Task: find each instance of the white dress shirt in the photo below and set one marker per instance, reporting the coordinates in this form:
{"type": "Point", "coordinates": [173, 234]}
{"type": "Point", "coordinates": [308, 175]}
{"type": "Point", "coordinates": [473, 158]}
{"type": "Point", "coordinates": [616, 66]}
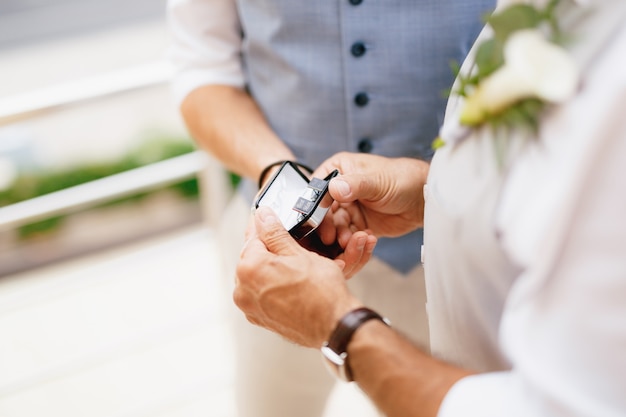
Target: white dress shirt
{"type": "Point", "coordinates": [544, 290]}
{"type": "Point", "coordinates": [205, 44]}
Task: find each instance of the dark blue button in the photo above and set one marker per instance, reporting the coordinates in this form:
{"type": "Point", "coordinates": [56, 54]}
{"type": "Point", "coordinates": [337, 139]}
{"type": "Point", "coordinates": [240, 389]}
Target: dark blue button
{"type": "Point", "coordinates": [358, 49]}
{"type": "Point", "coordinates": [355, 2]}
{"type": "Point", "coordinates": [361, 99]}
{"type": "Point", "coordinates": [365, 146]}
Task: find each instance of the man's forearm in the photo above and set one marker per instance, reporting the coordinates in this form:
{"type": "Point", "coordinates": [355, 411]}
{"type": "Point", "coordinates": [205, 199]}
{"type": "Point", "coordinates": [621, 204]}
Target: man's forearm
{"type": "Point", "coordinates": [402, 380]}
{"type": "Point", "coordinates": [226, 122]}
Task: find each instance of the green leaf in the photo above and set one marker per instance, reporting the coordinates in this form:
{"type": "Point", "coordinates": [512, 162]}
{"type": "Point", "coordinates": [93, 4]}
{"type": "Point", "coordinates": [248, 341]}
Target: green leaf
{"type": "Point", "coordinates": [455, 67]}
{"type": "Point", "coordinates": [511, 19]}
{"type": "Point", "coordinates": [515, 116]}
{"type": "Point", "coordinates": [523, 114]}
{"type": "Point", "coordinates": [489, 57]}
{"type": "Point", "coordinates": [532, 106]}
{"type": "Point", "coordinates": [548, 12]}
{"type": "Point", "coordinates": [532, 109]}
{"type": "Point", "coordinates": [438, 143]}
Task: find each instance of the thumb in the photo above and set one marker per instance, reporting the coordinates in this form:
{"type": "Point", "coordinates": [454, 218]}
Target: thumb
{"type": "Point", "coordinates": [273, 234]}
{"type": "Point", "coordinates": [351, 187]}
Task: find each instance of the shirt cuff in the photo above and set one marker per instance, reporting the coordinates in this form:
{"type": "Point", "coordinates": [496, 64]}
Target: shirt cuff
{"type": "Point", "coordinates": [187, 80]}
{"type": "Point", "coordinates": [484, 395]}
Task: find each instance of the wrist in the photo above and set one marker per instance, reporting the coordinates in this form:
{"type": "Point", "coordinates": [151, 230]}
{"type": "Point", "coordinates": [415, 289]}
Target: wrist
{"type": "Point", "coordinates": [270, 169]}
{"type": "Point", "coordinates": [266, 174]}
{"type": "Point", "coordinates": [335, 349]}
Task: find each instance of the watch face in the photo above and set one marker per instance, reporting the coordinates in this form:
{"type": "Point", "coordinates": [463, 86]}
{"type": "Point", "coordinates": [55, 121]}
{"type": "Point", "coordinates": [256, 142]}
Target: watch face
{"type": "Point", "coordinates": [300, 203]}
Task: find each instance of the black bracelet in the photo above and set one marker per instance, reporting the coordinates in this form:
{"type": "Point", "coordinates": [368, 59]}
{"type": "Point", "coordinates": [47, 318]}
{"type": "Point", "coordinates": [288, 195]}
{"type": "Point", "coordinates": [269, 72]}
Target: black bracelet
{"type": "Point", "coordinates": [272, 165]}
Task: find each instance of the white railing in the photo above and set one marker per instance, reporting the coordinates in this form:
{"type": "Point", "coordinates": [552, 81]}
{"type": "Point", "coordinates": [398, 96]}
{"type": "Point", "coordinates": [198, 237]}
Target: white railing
{"type": "Point", "coordinates": [214, 189]}
{"type": "Point", "coordinates": [85, 195]}
{"type": "Point", "coordinates": [52, 98]}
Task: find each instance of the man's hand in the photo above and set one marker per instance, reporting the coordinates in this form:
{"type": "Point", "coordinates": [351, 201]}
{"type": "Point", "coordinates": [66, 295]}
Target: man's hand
{"type": "Point", "coordinates": [351, 258]}
{"type": "Point", "coordinates": [285, 288]}
{"type": "Point", "coordinates": [351, 254]}
{"type": "Point", "coordinates": [384, 195]}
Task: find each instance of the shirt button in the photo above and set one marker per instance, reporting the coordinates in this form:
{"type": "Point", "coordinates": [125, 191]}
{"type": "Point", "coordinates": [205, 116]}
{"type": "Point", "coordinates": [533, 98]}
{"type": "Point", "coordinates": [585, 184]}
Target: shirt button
{"type": "Point", "coordinates": [361, 99]}
{"type": "Point", "coordinates": [365, 145]}
{"type": "Point", "coordinates": [355, 2]}
{"type": "Point", "coordinates": [358, 49]}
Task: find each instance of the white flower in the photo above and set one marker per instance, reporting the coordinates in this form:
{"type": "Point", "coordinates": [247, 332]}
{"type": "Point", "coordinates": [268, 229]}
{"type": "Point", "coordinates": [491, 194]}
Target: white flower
{"type": "Point", "coordinates": [533, 68]}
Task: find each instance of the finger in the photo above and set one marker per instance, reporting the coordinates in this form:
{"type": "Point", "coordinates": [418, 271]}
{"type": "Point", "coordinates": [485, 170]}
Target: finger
{"type": "Point", "coordinates": [252, 245]}
{"type": "Point", "coordinates": [327, 232]}
{"type": "Point", "coordinates": [273, 233]}
{"type": "Point", "coordinates": [358, 252]}
{"type": "Point", "coordinates": [353, 212]}
{"type": "Point", "coordinates": [352, 187]}
{"type": "Point", "coordinates": [348, 220]}
{"type": "Point", "coordinates": [343, 229]}
{"type": "Point", "coordinates": [366, 255]}
{"type": "Point", "coordinates": [354, 252]}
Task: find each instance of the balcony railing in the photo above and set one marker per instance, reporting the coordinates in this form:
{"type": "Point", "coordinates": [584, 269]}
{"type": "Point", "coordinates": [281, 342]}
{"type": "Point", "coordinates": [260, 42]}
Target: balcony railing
{"type": "Point", "coordinates": [125, 334]}
{"type": "Point", "coordinates": [213, 180]}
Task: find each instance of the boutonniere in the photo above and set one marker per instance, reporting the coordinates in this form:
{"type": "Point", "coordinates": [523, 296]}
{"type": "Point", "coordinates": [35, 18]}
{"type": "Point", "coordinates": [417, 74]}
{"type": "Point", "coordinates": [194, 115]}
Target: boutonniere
{"type": "Point", "coordinates": [517, 72]}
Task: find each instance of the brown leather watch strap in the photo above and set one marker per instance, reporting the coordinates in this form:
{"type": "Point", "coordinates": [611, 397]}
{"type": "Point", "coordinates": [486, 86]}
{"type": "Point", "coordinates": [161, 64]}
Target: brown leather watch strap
{"type": "Point", "coordinates": [341, 336]}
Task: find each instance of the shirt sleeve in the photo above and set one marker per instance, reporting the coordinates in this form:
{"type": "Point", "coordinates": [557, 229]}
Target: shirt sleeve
{"type": "Point", "coordinates": [205, 44]}
{"type": "Point", "coordinates": [562, 218]}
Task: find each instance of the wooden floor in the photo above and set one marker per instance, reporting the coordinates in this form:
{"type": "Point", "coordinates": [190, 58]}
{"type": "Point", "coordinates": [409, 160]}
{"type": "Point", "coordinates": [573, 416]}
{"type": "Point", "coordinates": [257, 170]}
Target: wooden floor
{"type": "Point", "coordinates": [133, 332]}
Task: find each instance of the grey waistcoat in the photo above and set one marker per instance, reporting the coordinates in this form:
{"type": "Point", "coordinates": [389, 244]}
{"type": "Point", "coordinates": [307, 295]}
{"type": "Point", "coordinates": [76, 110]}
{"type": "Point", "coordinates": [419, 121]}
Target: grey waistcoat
{"type": "Point", "coordinates": [357, 75]}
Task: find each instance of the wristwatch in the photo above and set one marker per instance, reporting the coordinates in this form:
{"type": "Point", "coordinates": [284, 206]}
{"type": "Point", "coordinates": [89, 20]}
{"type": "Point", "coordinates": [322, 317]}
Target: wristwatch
{"type": "Point", "coordinates": [334, 351]}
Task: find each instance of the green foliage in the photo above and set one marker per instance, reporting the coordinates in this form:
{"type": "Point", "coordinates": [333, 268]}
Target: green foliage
{"type": "Point", "coordinates": [34, 184]}
{"type": "Point", "coordinates": [514, 18]}
{"type": "Point", "coordinates": [234, 179]}
{"type": "Point", "coordinates": [490, 53]}
{"type": "Point", "coordinates": [438, 143]}
{"type": "Point", "coordinates": [40, 227]}
{"type": "Point", "coordinates": [490, 57]}
{"type": "Point", "coordinates": [525, 113]}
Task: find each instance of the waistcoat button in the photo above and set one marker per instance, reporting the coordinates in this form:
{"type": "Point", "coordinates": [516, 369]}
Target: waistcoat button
{"type": "Point", "coordinates": [361, 99]}
{"type": "Point", "coordinates": [358, 49]}
{"type": "Point", "coordinates": [355, 2]}
{"type": "Point", "coordinates": [365, 145]}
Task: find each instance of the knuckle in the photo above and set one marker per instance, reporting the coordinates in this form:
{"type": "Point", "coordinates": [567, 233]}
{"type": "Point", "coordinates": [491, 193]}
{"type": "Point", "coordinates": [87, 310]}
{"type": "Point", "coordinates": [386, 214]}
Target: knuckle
{"type": "Point", "coordinates": [243, 300]}
{"type": "Point", "coordinates": [238, 297]}
{"type": "Point", "coordinates": [253, 320]}
{"type": "Point", "coordinates": [244, 269]}
{"type": "Point", "coordinates": [273, 234]}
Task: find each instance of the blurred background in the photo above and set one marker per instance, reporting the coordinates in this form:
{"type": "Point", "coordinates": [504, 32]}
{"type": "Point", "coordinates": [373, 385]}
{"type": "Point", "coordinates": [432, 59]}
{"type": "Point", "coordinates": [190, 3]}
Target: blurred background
{"type": "Point", "coordinates": [109, 293]}
{"type": "Point", "coordinates": [83, 95]}
{"type": "Point", "coordinates": [111, 302]}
